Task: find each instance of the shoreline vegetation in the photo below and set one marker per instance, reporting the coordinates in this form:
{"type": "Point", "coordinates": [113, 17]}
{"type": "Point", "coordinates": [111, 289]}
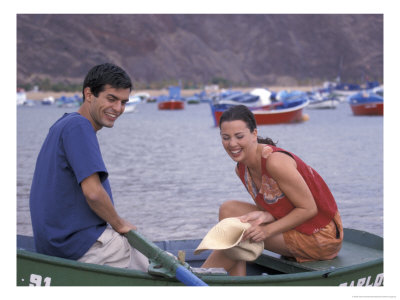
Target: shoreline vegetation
{"type": "Point", "coordinates": [39, 95]}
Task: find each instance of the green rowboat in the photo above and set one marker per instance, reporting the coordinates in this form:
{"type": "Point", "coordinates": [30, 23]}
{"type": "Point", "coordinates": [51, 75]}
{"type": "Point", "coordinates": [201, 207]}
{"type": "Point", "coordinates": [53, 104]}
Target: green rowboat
{"type": "Point", "coordinates": [359, 263]}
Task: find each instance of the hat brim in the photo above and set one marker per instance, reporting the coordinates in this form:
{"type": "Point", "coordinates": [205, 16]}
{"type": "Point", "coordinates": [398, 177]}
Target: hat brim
{"type": "Point", "coordinates": [227, 235]}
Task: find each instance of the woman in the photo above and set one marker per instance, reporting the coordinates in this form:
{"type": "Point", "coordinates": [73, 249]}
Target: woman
{"type": "Point", "coordinates": [294, 214]}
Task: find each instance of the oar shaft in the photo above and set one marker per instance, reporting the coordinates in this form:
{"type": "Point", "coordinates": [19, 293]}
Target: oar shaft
{"type": "Point", "coordinates": [171, 265]}
{"type": "Point", "coordinates": [188, 278]}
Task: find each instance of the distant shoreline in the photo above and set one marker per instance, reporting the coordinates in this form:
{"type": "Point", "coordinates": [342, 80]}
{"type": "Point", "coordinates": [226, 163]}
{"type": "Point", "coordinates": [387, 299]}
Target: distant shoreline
{"type": "Point", "coordinates": [39, 95]}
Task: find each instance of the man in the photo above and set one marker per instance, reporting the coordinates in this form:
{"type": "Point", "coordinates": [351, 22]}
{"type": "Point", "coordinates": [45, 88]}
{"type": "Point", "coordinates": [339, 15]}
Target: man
{"type": "Point", "coordinates": [71, 203]}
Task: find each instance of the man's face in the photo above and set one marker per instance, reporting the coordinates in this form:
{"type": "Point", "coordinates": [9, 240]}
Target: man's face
{"type": "Point", "coordinates": [107, 107]}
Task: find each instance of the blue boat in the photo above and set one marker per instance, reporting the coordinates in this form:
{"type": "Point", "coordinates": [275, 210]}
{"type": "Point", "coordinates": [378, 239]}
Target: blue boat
{"type": "Point", "coordinates": [367, 102]}
{"type": "Point", "coordinates": [344, 90]}
{"type": "Point", "coordinates": [69, 101]}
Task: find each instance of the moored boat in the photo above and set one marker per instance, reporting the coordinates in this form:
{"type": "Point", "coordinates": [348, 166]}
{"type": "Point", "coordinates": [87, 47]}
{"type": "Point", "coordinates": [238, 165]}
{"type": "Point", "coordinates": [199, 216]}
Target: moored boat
{"type": "Point", "coordinates": [359, 263]}
{"type": "Point", "coordinates": [132, 103]}
{"type": "Point", "coordinates": [344, 90]}
{"type": "Point", "coordinates": [285, 107]}
{"type": "Point", "coordinates": [48, 100]}
{"type": "Point", "coordinates": [69, 101]}
{"type": "Point", "coordinates": [171, 104]}
{"type": "Point", "coordinates": [320, 100]}
{"type": "Point", "coordinates": [172, 101]}
{"type": "Point", "coordinates": [21, 97]}
{"type": "Point", "coordinates": [367, 103]}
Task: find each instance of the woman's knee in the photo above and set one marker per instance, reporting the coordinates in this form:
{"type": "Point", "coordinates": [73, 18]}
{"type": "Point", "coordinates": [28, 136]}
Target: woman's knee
{"type": "Point", "coordinates": [226, 209]}
{"type": "Point", "coordinates": [234, 208]}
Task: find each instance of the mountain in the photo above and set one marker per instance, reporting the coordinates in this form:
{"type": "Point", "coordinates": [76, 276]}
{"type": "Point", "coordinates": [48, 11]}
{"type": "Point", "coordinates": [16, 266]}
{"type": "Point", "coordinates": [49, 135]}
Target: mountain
{"type": "Point", "coordinates": [250, 49]}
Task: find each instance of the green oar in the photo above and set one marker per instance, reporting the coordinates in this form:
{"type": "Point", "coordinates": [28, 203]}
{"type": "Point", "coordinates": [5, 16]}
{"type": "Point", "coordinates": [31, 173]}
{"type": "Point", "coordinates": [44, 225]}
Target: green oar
{"type": "Point", "coordinates": [161, 262]}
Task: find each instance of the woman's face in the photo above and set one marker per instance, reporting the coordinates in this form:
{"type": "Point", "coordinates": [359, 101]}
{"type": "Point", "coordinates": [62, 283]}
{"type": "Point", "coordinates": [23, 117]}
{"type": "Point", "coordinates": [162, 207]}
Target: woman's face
{"type": "Point", "coordinates": [237, 140]}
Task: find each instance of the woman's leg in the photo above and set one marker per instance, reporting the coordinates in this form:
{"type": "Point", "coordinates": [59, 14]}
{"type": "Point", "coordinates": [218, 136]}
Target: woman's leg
{"type": "Point", "coordinates": [235, 208]}
{"type": "Point", "coordinates": [217, 259]}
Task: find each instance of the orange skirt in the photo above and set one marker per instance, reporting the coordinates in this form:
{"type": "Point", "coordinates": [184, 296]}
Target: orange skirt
{"type": "Point", "coordinates": [323, 245]}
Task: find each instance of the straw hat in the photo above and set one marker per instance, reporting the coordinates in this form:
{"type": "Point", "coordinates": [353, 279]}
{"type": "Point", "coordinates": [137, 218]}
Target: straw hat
{"type": "Point", "coordinates": [227, 235]}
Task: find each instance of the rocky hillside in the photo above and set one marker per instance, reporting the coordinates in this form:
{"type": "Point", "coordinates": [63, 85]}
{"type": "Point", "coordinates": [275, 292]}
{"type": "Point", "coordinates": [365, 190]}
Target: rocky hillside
{"type": "Point", "coordinates": [242, 49]}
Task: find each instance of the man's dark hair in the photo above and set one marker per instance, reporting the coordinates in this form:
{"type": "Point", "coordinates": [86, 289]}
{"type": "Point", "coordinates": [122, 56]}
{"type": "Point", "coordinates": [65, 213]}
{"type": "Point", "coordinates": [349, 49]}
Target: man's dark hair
{"type": "Point", "coordinates": [103, 74]}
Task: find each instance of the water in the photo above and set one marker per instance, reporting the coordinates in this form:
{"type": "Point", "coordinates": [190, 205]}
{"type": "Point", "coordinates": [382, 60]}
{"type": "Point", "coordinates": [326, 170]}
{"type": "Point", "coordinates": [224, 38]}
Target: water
{"type": "Point", "coordinates": [169, 172]}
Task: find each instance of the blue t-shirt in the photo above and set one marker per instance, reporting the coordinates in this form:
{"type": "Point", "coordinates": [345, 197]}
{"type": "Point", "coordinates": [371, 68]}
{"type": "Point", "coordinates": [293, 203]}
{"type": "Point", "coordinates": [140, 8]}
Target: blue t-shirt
{"type": "Point", "coordinates": [63, 223]}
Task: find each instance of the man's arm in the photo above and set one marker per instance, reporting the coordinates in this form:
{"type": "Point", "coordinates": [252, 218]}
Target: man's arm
{"type": "Point", "coordinates": [100, 202]}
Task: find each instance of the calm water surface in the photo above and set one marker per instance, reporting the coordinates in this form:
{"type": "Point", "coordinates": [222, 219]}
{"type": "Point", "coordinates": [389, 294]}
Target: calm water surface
{"type": "Point", "coordinates": [169, 172]}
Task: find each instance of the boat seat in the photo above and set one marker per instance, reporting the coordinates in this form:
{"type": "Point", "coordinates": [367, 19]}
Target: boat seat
{"type": "Point", "coordinates": [354, 251]}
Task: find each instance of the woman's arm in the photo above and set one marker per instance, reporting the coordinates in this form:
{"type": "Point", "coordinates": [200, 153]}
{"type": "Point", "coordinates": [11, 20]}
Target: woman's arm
{"type": "Point", "coordinates": [282, 168]}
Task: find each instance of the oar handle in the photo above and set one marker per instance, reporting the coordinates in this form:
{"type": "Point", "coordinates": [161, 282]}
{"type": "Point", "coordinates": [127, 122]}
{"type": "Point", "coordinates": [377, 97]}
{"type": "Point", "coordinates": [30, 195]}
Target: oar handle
{"type": "Point", "coordinates": [188, 278]}
{"type": "Point", "coordinates": [172, 266]}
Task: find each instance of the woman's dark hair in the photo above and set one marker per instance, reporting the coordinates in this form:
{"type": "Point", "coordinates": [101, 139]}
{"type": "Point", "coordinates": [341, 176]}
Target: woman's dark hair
{"type": "Point", "coordinates": [103, 74]}
{"type": "Point", "coordinates": [243, 113]}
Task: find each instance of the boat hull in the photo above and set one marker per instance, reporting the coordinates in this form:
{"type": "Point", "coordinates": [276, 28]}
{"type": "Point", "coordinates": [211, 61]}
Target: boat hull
{"type": "Point", "coordinates": [324, 104]}
{"type": "Point", "coordinates": [173, 104]}
{"type": "Point", "coordinates": [365, 109]}
{"type": "Point", "coordinates": [271, 116]}
{"type": "Point", "coordinates": [360, 263]}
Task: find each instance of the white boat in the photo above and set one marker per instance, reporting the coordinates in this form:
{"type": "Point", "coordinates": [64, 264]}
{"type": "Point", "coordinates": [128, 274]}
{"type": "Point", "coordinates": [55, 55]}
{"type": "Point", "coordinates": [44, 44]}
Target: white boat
{"type": "Point", "coordinates": [134, 100]}
{"type": "Point", "coordinates": [320, 100]}
{"type": "Point", "coordinates": [48, 100]}
{"type": "Point", "coordinates": [257, 98]}
{"type": "Point", "coordinates": [21, 97]}
{"type": "Point", "coordinates": [142, 95]}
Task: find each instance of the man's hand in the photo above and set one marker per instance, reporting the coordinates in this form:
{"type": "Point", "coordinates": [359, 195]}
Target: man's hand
{"type": "Point", "coordinates": [123, 226]}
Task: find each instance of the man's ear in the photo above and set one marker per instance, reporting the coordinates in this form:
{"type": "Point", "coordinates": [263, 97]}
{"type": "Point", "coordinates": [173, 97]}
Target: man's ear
{"type": "Point", "coordinates": [88, 94]}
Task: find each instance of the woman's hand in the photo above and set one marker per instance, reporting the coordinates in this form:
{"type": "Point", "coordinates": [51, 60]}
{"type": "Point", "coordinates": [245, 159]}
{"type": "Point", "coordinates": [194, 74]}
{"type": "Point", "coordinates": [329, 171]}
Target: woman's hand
{"type": "Point", "coordinates": [257, 217]}
{"type": "Point", "coordinates": [256, 233]}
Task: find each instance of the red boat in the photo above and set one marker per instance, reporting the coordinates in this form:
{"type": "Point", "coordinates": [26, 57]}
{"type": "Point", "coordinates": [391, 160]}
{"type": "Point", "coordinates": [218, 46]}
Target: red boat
{"type": "Point", "coordinates": [367, 104]}
{"type": "Point", "coordinates": [171, 104]}
{"type": "Point", "coordinates": [367, 109]}
{"type": "Point", "coordinates": [272, 115]}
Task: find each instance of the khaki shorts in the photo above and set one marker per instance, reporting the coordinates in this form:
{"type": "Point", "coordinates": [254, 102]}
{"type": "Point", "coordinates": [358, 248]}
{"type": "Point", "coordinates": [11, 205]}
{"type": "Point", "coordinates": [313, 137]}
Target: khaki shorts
{"type": "Point", "coordinates": [113, 249]}
{"type": "Point", "coordinates": [323, 245]}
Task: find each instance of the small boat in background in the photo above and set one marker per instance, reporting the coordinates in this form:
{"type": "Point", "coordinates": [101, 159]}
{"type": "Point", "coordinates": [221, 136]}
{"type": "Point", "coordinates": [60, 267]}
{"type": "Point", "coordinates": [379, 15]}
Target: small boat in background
{"type": "Point", "coordinates": [172, 101]}
{"type": "Point", "coordinates": [343, 90]}
{"type": "Point", "coordinates": [48, 100]}
{"type": "Point", "coordinates": [322, 100]}
{"type": "Point", "coordinates": [132, 103]}
{"type": "Point", "coordinates": [207, 95]}
{"type": "Point", "coordinates": [257, 98]}
{"type": "Point", "coordinates": [142, 95]}
{"type": "Point", "coordinates": [69, 101]}
{"type": "Point", "coordinates": [21, 96]}
{"type": "Point", "coordinates": [171, 104]}
{"type": "Point", "coordinates": [283, 107]}
{"type": "Point", "coordinates": [367, 102]}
